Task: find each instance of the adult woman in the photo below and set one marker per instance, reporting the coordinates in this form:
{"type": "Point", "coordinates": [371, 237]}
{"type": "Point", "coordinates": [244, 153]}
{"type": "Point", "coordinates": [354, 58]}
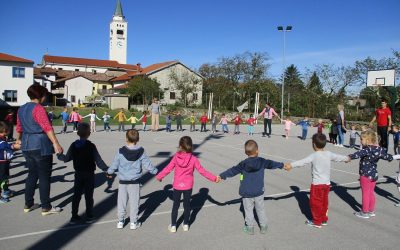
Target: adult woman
{"type": "Point", "coordinates": [38, 142]}
{"type": "Point", "coordinates": [340, 125]}
{"type": "Point", "coordinates": [155, 115]}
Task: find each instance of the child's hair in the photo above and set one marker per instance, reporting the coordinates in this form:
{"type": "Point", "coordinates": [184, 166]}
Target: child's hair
{"type": "Point", "coordinates": [250, 147]}
{"type": "Point", "coordinates": [93, 111]}
{"type": "Point", "coordinates": [395, 127]}
{"type": "Point", "coordinates": [74, 109]}
{"type": "Point", "coordinates": [186, 144]}
{"type": "Point", "coordinates": [144, 112]}
{"type": "Point", "coordinates": [133, 113]}
{"type": "Point", "coordinates": [319, 140]}
{"type": "Point", "coordinates": [84, 130]}
{"type": "Point", "coordinates": [251, 115]}
{"type": "Point", "coordinates": [132, 136]}
{"type": "Point", "coordinates": [369, 136]}
{"type": "Point", "coordinates": [3, 127]}
{"type": "Point", "coordinates": [223, 114]}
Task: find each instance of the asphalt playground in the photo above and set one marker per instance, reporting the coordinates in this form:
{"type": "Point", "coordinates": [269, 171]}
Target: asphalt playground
{"type": "Point", "coordinates": [216, 219]}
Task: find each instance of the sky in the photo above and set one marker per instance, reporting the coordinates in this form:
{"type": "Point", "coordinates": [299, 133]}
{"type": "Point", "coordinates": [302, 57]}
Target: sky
{"type": "Point", "coordinates": [195, 32]}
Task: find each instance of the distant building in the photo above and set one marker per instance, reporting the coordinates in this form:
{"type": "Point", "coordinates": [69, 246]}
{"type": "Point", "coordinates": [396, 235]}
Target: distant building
{"type": "Point", "coordinates": [118, 35]}
{"type": "Point", "coordinates": [16, 75]}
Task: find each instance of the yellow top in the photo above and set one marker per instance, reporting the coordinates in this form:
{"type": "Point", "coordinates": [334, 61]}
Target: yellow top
{"type": "Point", "coordinates": [121, 116]}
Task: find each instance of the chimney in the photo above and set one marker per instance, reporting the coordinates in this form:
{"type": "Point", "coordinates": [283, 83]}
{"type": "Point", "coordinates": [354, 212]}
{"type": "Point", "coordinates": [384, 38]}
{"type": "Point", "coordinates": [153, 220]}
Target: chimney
{"type": "Point", "coordinates": [139, 67]}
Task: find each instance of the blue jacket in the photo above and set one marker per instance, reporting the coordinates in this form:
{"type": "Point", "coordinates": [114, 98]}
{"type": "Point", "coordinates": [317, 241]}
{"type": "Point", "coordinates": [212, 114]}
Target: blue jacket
{"type": "Point", "coordinates": [304, 124]}
{"type": "Point", "coordinates": [129, 162]}
{"type": "Point", "coordinates": [6, 151]}
{"type": "Point", "coordinates": [252, 175]}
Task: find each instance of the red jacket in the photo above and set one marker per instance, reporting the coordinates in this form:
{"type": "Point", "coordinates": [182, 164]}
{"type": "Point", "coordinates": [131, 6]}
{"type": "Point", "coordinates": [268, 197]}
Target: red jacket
{"type": "Point", "coordinates": [203, 119]}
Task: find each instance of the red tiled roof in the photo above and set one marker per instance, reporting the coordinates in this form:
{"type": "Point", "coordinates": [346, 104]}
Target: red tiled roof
{"type": "Point", "coordinates": [44, 71]}
{"type": "Point", "coordinates": [102, 77]}
{"type": "Point", "coordinates": [122, 86]}
{"type": "Point", "coordinates": [87, 62]}
{"type": "Point", "coordinates": [10, 58]}
{"type": "Point", "coordinates": [144, 71]}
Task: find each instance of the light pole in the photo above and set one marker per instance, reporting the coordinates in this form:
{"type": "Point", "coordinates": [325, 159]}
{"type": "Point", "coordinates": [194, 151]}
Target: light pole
{"type": "Point", "coordinates": [287, 29]}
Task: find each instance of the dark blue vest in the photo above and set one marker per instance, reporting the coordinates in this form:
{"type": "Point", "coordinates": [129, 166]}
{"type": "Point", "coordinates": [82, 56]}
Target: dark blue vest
{"type": "Point", "coordinates": [33, 137]}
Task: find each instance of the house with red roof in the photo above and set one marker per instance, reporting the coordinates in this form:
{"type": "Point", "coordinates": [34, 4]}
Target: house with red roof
{"type": "Point", "coordinates": [16, 75]}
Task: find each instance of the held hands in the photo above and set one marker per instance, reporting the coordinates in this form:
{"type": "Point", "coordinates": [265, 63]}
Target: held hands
{"type": "Point", "coordinates": [287, 166]}
{"type": "Point", "coordinates": [109, 176]}
{"type": "Point", "coordinates": [218, 179]}
{"type": "Point", "coordinates": [16, 146]}
{"type": "Point", "coordinates": [57, 148]}
{"type": "Point", "coordinates": [348, 160]}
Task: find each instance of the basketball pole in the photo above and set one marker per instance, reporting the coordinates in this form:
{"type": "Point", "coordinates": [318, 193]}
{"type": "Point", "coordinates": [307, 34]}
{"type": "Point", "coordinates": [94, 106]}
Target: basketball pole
{"type": "Point", "coordinates": [393, 92]}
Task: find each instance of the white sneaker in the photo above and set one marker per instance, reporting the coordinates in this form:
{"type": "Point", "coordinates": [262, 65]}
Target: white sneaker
{"type": "Point", "coordinates": [397, 204]}
{"type": "Point", "coordinates": [185, 228]}
{"type": "Point", "coordinates": [136, 225]}
{"type": "Point", "coordinates": [341, 145]}
{"type": "Point", "coordinates": [120, 224]}
{"type": "Point", "coordinates": [172, 229]}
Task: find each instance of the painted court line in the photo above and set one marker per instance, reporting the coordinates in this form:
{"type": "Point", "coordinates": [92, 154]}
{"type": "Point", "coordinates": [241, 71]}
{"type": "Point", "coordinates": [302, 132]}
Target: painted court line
{"type": "Point", "coordinates": [154, 214]}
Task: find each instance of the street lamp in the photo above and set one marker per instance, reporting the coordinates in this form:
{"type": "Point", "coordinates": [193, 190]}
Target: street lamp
{"type": "Point", "coordinates": [287, 29]}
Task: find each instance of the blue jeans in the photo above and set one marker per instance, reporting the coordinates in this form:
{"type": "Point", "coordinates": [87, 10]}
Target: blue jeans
{"type": "Point", "coordinates": [225, 128]}
{"type": "Point", "coordinates": [341, 135]}
{"type": "Point", "coordinates": [106, 126]}
{"type": "Point", "coordinates": [304, 134]}
{"type": "Point", "coordinates": [250, 129]}
{"type": "Point", "coordinates": [39, 168]}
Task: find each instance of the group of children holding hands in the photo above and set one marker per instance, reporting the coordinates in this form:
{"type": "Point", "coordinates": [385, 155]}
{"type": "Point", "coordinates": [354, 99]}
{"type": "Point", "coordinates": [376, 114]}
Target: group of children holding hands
{"type": "Point", "coordinates": [131, 161]}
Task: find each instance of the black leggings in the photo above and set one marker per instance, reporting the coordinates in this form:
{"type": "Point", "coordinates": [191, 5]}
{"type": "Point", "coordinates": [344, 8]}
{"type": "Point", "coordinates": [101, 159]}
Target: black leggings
{"type": "Point", "coordinates": [186, 206]}
{"type": "Point", "coordinates": [383, 134]}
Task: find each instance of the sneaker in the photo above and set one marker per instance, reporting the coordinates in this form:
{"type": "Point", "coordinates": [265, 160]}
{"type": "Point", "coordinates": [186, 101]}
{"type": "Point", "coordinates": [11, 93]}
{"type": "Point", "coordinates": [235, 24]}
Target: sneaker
{"type": "Point", "coordinates": [7, 194]}
{"type": "Point", "coordinates": [185, 227]}
{"type": "Point", "coordinates": [90, 219]}
{"type": "Point", "coordinates": [120, 224]}
{"type": "Point", "coordinates": [4, 200]}
{"type": "Point", "coordinates": [248, 230]}
{"type": "Point", "coordinates": [75, 220]}
{"type": "Point", "coordinates": [136, 225]}
{"type": "Point", "coordinates": [172, 229]}
{"type": "Point", "coordinates": [397, 204]}
{"type": "Point", "coordinates": [311, 224]}
{"type": "Point", "coordinates": [362, 215]}
{"type": "Point", "coordinates": [264, 229]}
{"type": "Point", "coordinates": [28, 209]}
{"type": "Point", "coordinates": [324, 223]}
{"type": "Point", "coordinates": [372, 214]}
{"type": "Point", "coordinates": [52, 210]}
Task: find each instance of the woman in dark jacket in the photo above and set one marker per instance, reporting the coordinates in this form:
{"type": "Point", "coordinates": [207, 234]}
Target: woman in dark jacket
{"type": "Point", "coordinates": [38, 143]}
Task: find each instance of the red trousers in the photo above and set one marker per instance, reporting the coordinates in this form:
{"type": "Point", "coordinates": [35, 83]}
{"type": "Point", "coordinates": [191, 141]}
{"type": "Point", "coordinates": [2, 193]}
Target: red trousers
{"type": "Point", "coordinates": [319, 203]}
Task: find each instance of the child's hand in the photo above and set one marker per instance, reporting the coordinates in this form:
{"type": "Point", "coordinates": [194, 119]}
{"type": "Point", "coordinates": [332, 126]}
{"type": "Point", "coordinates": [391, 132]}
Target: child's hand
{"type": "Point", "coordinates": [287, 166]}
{"type": "Point", "coordinates": [109, 176]}
{"type": "Point", "coordinates": [348, 160]}
{"type": "Point", "coordinates": [16, 146]}
{"type": "Point", "coordinates": [218, 179]}
{"type": "Point", "coordinates": [160, 180]}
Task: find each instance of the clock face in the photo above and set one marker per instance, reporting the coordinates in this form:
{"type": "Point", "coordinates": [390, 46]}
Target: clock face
{"type": "Point", "coordinates": [119, 44]}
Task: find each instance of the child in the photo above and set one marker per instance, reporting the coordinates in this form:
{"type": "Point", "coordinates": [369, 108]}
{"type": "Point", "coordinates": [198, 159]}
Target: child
{"type": "Point", "coordinates": [183, 163]}
{"type": "Point", "coordinates": [133, 119]}
{"type": "Point", "coordinates": [121, 119]}
{"type": "Point", "coordinates": [353, 136]}
{"type": "Point", "coordinates": [214, 121]}
{"type": "Point", "coordinates": [106, 121]}
{"type": "Point", "coordinates": [288, 123]}
{"type": "Point", "coordinates": [6, 153]}
{"type": "Point", "coordinates": [192, 119]}
{"type": "Point", "coordinates": [85, 157]}
{"type": "Point", "coordinates": [329, 128]}
{"type": "Point", "coordinates": [250, 125]}
{"type": "Point", "coordinates": [252, 185]}
{"type": "Point", "coordinates": [320, 186]}
{"type": "Point", "coordinates": [396, 138]}
{"type": "Point", "coordinates": [50, 115]}
{"type": "Point", "coordinates": [304, 127]}
{"type": "Point", "coordinates": [369, 156]}
{"type": "Point", "coordinates": [334, 132]}
{"type": "Point", "coordinates": [75, 118]}
{"type": "Point", "coordinates": [224, 123]}
{"type": "Point", "coordinates": [237, 120]}
{"type": "Point", "coordinates": [203, 121]}
{"type": "Point", "coordinates": [9, 119]}
{"type": "Point", "coordinates": [64, 119]}
{"type": "Point", "coordinates": [168, 123]}
{"type": "Point", "coordinates": [129, 162]}
{"type": "Point", "coordinates": [93, 118]}
{"type": "Point", "coordinates": [144, 120]}
{"type": "Point", "coordinates": [178, 119]}
{"type": "Point", "coordinates": [320, 126]}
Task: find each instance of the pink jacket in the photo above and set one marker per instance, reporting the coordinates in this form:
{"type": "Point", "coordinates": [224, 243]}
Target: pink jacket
{"type": "Point", "coordinates": [74, 117]}
{"type": "Point", "coordinates": [288, 124]}
{"type": "Point", "coordinates": [184, 164]}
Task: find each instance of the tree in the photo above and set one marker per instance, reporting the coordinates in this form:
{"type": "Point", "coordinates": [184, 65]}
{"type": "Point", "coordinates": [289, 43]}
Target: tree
{"type": "Point", "coordinates": [186, 82]}
{"type": "Point", "coordinates": [314, 95]}
{"type": "Point", "coordinates": [144, 88]}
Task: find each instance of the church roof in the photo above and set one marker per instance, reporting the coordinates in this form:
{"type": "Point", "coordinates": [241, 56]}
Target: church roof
{"type": "Point", "coordinates": [118, 9]}
{"type": "Point", "coordinates": [11, 58]}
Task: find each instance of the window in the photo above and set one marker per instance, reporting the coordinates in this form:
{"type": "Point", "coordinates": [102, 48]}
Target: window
{"type": "Point", "coordinates": [172, 95]}
{"type": "Point", "coordinates": [18, 72]}
{"type": "Point", "coordinates": [94, 71]}
{"type": "Point", "coordinates": [195, 96]}
{"type": "Point", "coordinates": [104, 87]}
{"type": "Point", "coordinates": [94, 88]}
{"type": "Point", "coordinates": [73, 98]}
{"type": "Point", "coordinates": [10, 95]}
{"type": "Point", "coordinates": [60, 68]}
{"type": "Point", "coordinates": [76, 69]}
{"type": "Point", "coordinates": [120, 32]}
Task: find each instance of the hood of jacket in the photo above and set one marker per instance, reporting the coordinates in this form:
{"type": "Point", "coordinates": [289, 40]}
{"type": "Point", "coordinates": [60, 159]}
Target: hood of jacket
{"type": "Point", "coordinates": [131, 154]}
{"type": "Point", "coordinates": [252, 164]}
{"type": "Point", "coordinates": [183, 159]}
{"type": "Point", "coordinates": [80, 143]}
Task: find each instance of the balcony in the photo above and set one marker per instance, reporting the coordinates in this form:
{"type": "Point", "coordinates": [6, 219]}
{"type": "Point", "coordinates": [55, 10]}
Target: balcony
{"type": "Point", "coordinates": [59, 91]}
{"type": "Point", "coordinates": [105, 91]}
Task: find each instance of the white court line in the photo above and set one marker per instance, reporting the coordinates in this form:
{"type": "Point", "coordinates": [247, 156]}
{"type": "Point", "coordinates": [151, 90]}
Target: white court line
{"type": "Point", "coordinates": [154, 214]}
{"type": "Point", "coordinates": [275, 156]}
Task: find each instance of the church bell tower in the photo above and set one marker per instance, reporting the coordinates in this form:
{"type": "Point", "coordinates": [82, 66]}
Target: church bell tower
{"type": "Point", "coordinates": [118, 35]}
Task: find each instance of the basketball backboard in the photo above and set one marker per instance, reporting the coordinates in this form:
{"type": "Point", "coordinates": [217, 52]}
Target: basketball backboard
{"type": "Point", "coordinates": [381, 78]}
